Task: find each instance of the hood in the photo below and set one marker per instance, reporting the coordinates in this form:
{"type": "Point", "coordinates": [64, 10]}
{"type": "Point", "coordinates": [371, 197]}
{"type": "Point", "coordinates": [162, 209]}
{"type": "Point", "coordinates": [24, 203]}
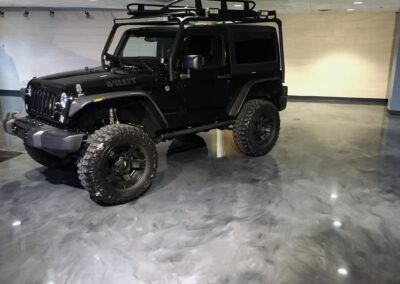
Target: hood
{"type": "Point", "coordinates": [93, 81]}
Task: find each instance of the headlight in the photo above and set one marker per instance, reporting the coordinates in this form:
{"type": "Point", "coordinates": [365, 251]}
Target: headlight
{"type": "Point", "coordinates": [28, 91]}
{"type": "Point", "coordinates": [63, 100]}
{"type": "Point", "coordinates": [28, 94]}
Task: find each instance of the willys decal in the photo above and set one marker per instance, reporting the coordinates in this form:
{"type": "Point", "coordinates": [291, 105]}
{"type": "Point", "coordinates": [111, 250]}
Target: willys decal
{"type": "Point", "coordinates": [121, 82]}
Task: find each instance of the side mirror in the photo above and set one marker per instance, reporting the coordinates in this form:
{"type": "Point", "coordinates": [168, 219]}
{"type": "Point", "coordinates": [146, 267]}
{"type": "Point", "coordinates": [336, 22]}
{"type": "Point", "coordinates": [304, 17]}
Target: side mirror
{"type": "Point", "coordinates": [193, 62]}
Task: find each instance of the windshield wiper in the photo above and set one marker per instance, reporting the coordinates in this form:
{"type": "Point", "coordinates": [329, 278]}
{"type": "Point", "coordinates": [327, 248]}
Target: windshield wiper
{"type": "Point", "coordinates": [142, 62]}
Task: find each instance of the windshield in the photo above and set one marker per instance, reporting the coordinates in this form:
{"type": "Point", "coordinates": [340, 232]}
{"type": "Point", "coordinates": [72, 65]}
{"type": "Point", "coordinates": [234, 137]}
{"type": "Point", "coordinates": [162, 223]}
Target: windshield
{"type": "Point", "coordinates": [151, 45]}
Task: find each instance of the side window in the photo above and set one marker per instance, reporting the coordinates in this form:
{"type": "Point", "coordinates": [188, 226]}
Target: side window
{"type": "Point", "coordinates": [209, 46]}
{"type": "Point", "coordinates": [255, 48]}
{"type": "Point", "coordinates": [165, 46]}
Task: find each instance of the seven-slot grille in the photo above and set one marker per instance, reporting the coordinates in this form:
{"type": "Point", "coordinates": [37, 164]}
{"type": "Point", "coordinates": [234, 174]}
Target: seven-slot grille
{"type": "Point", "coordinates": [42, 103]}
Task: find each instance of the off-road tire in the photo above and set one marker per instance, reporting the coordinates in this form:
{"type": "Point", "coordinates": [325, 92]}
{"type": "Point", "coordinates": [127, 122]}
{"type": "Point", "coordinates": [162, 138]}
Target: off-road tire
{"type": "Point", "coordinates": [91, 174]}
{"type": "Point", "coordinates": [48, 160]}
{"type": "Point", "coordinates": [244, 127]}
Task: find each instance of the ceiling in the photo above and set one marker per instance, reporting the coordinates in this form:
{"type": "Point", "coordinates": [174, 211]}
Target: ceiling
{"type": "Point", "coordinates": [282, 6]}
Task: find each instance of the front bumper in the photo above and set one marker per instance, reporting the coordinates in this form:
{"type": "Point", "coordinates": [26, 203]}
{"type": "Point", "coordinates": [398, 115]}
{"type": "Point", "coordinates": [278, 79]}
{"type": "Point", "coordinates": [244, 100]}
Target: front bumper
{"type": "Point", "coordinates": [42, 136]}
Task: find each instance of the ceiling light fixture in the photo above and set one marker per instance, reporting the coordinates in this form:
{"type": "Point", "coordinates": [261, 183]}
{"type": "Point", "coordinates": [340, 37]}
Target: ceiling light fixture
{"type": "Point", "coordinates": [337, 224]}
{"type": "Point", "coordinates": [358, 3]}
{"type": "Point", "coordinates": [350, 10]}
{"type": "Point", "coordinates": [343, 271]}
{"type": "Point", "coordinates": [237, 5]}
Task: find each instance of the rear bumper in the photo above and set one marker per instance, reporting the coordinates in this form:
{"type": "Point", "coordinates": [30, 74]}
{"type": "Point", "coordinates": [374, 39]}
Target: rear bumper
{"type": "Point", "coordinates": [42, 136]}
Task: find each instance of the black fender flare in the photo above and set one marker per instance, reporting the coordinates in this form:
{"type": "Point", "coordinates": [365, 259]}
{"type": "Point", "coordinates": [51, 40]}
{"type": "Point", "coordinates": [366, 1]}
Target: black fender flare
{"type": "Point", "coordinates": [83, 101]}
{"type": "Point", "coordinates": [238, 100]}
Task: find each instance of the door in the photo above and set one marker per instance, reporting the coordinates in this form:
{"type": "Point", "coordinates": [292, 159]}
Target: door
{"type": "Point", "coordinates": [205, 94]}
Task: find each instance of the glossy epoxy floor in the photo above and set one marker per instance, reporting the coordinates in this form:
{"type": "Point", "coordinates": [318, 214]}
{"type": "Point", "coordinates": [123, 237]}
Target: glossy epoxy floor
{"type": "Point", "coordinates": [322, 207]}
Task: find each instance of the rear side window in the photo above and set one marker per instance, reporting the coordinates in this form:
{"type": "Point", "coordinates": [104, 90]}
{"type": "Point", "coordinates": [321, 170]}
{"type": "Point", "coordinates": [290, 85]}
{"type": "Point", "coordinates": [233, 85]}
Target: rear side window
{"type": "Point", "coordinates": [253, 48]}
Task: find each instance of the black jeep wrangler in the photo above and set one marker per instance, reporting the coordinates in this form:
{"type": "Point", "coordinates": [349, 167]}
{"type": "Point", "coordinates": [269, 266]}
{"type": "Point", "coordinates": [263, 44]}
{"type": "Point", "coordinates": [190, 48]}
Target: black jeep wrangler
{"type": "Point", "coordinates": [167, 71]}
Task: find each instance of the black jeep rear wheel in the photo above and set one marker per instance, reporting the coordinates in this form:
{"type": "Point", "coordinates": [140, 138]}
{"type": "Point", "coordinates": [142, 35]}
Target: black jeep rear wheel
{"type": "Point", "coordinates": [119, 164]}
{"type": "Point", "coordinates": [257, 126]}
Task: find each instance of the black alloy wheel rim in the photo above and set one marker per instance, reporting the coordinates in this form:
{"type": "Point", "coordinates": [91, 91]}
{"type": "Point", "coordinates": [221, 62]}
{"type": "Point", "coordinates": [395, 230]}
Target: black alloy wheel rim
{"type": "Point", "coordinates": [263, 128]}
{"type": "Point", "coordinates": [125, 165]}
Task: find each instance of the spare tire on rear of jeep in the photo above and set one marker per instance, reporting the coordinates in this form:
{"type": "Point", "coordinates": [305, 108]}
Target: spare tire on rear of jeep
{"type": "Point", "coordinates": [119, 164]}
{"type": "Point", "coordinates": [256, 128]}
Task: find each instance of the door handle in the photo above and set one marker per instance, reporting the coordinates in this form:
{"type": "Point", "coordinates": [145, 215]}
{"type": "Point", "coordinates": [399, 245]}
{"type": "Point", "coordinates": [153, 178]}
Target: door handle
{"type": "Point", "coordinates": [224, 76]}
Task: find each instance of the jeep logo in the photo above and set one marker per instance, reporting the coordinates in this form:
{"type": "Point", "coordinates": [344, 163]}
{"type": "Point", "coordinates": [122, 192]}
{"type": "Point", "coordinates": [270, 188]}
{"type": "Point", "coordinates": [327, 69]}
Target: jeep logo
{"type": "Point", "coordinates": [121, 82]}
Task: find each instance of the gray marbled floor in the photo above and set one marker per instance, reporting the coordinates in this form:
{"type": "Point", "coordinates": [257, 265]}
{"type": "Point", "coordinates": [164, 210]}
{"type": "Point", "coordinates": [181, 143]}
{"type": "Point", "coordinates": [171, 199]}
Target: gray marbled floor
{"type": "Point", "coordinates": [322, 207]}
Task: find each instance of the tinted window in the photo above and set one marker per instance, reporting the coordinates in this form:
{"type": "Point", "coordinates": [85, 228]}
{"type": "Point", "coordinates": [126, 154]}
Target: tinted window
{"type": "Point", "coordinates": [209, 46]}
{"type": "Point", "coordinates": [254, 48]}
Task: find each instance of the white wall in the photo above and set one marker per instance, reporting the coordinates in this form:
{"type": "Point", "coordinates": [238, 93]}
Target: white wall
{"type": "Point", "coordinates": [339, 55]}
{"type": "Point", "coordinates": [40, 45]}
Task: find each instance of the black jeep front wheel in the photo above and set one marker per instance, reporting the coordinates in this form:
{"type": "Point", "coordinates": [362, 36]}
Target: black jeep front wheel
{"type": "Point", "coordinates": [256, 128]}
{"type": "Point", "coordinates": [119, 164]}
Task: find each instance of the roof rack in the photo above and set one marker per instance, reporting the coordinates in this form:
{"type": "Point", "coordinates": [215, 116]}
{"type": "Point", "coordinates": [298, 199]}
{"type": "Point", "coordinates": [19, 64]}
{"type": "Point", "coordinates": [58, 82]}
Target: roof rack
{"type": "Point", "coordinates": [140, 10]}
